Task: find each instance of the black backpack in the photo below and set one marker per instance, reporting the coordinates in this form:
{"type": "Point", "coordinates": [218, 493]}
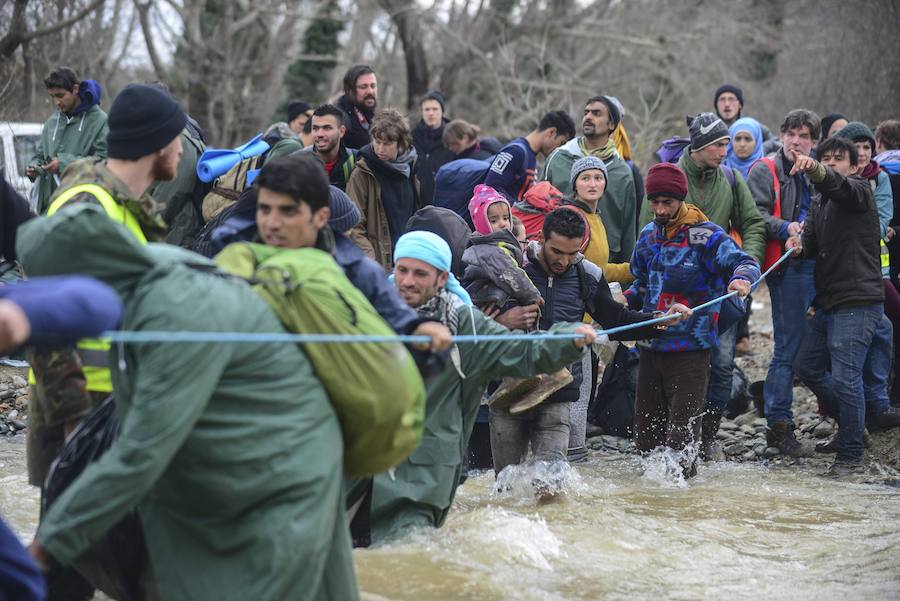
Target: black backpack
{"type": "Point", "coordinates": [613, 406]}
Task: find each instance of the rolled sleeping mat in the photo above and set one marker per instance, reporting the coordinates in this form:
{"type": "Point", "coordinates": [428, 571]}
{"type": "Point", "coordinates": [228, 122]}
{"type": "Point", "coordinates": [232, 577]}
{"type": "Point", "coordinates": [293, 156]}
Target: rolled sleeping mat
{"type": "Point", "coordinates": [215, 162]}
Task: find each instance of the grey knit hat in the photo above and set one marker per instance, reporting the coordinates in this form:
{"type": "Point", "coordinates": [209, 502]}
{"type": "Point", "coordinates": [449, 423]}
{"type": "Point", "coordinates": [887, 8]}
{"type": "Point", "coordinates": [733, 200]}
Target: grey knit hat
{"type": "Point", "coordinates": [856, 131]}
{"type": "Point", "coordinates": [584, 164]}
{"type": "Point", "coordinates": [344, 212]}
{"type": "Point", "coordinates": [706, 129]}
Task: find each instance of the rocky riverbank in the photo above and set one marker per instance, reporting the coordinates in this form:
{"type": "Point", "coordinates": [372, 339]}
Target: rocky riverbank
{"type": "Point", "coordinates": [13, 401]}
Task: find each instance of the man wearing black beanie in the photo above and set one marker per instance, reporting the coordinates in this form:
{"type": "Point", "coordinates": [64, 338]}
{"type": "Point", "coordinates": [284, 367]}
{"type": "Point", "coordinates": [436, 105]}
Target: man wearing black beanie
{"type": "Point", "coordinates": [144, 145]}
{"type": "Point", "coordinates": [729, 100]}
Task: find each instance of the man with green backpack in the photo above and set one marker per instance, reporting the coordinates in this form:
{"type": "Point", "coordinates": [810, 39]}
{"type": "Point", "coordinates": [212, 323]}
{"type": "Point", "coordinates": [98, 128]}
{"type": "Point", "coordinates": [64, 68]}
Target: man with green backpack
{"type": "Point", "coordinates": [419, 491]}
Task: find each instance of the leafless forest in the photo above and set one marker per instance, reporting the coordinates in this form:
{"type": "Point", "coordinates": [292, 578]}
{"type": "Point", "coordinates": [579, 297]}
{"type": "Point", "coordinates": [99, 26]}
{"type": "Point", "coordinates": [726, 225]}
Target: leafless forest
{"type": "Point", "coordinates": [500, 63]}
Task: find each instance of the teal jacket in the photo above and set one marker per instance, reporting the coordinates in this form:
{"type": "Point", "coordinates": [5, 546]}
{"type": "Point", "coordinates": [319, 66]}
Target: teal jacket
{"type": "Point", "coordinates": [618, 207]}
{"type": "Point", "coordinates": [723, 204]}
{"type": "Point", "coordinates": [231, 453]}
{"type": "Point", "coordinates": [420, 490]}
{"type": "Point", "coordinates": [68, 139]}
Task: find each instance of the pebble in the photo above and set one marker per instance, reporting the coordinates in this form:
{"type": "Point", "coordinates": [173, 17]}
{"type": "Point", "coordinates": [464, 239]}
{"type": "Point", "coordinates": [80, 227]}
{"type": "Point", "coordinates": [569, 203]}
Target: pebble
{"type": "Point", "coordinates": [749, 456]}
{"type": "Point", "coordinates": [735, 448]}
{"type": "Point", "coordinates": [728, 425]}
{"type": "Point", "coordinates": [16, 425]}
{"type": "Point", "coordinates": [745, 419]}
{"type": "Point", "coordinates": [12, 414]}
{"type": "Point", "coordinates": [19, 382]}
{"type": "Point", "coordinates": [771, 452]}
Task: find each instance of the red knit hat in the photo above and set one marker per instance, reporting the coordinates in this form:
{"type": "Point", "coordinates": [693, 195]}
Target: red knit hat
{"type": "Point", "coordinates": [666, 179]}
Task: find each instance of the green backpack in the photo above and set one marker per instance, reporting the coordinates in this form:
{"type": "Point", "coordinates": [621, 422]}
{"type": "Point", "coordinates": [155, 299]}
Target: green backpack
{"type": "Point", "coordinates": [375, 388]}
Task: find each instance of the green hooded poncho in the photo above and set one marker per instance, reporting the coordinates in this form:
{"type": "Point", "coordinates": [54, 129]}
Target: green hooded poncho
{"type": "Point", "coordinates": [231, 452]}
{"type": "Point", "coordinates": [68, 139]}
{"type": "Point", "coordinates": [420, 490]}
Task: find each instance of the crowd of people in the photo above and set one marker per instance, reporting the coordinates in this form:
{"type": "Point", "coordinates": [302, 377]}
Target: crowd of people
{"type": "Point", "coordinates": [228, 470]}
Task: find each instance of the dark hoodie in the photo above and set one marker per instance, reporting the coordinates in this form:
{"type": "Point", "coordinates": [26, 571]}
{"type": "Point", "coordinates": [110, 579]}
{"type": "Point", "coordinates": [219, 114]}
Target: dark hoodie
{"type": "Point", "coordinates": [89, 92]}
{"type": "Point", "coordinates": [433, 154]}
{"type": "Point", "coordinates": [357, 120]}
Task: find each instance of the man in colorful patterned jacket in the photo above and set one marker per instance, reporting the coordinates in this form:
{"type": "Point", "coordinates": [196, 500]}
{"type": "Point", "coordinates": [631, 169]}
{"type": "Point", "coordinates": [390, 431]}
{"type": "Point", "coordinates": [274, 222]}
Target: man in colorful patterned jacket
{"type": "Point", "coordinates": [681, 257]}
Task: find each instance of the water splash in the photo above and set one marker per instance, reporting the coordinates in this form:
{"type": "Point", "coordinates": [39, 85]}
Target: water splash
{"type": "Point", "coordinates": [537, 481]}
{"type": "Point", "coordinates": [666, 466]}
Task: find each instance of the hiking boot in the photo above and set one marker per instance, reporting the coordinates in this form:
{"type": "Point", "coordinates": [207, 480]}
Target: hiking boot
{"type": "Point", "coordinates": [846, 467]}
{"type": "Point", "coordinates": [545, 386]}
{"type": "Point", "coordinates": [743, 347]}
{"type": "Point", "coordinates": [710, 449]}
{"type": "Point", "coordinates": [510, 391]}
{"type": "Point", "coordinates": [781, 436]}
{"type": "Point", "coordinates": [831, 447]}
{"type": "Point", "coordinates": [885, 421]}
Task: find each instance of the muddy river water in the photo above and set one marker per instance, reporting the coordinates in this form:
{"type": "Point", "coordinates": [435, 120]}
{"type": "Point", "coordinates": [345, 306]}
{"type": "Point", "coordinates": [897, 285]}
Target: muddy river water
{"type": "Point", "coordinates": [626, 530]}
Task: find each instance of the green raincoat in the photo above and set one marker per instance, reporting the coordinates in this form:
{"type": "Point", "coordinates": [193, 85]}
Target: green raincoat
{"type": "Point", "coordinates": [724, 205]}
{"type": "Point", "coordinates": [181, 198]}
{"type": "Point", "coordinates": [420, 490]}
{"type": "Point", "coordinates": [67, 139]}
{"type": "Point", "coordinates": [231, 452]}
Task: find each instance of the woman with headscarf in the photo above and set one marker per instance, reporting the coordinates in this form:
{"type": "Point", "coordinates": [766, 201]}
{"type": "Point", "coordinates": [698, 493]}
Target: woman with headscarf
{"type": "Point", "coordinates": [746, 145]}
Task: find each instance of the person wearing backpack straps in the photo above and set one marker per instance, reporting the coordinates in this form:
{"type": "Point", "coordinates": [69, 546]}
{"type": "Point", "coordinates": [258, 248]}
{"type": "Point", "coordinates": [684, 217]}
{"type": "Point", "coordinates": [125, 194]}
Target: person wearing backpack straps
{"type": "Point", "coordinates": [144, 141]}
{"type": "Point", "coordinates": [722, 195]}
{"type": "Point", "coordinates": [784, 200]}
{"type": "Point", "coordinates": [599, 122]}
{"type": "Point", "coordinates": [420, 490]}
{"type": "Point", "coordinates": [514, 169]}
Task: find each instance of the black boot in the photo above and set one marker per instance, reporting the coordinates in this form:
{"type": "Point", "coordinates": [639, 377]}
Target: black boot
{"type": "Point", "coordinates": [710, 449]}
{"type": "Point", "coordinates": [885, 421]}
{"type": "Point", "coordinates": [781, 435]}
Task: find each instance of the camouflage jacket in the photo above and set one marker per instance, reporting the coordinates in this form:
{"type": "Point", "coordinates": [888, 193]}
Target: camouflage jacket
{"type": "Point", "coordinates": [94, 171]}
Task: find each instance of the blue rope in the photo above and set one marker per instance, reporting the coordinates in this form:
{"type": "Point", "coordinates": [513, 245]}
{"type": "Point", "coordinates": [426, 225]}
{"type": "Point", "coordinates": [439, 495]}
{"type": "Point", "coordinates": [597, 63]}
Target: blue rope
{"type": "Point", "coordinates": [163, 336]}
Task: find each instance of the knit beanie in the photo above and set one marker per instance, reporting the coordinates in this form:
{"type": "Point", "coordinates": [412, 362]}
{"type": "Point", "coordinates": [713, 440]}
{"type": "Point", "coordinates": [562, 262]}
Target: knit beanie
{"type": "Point", "coordinates": [585, 164]}
{"type": "Point", "coordinates": [612, 106]}
{"type": "Point", "coordinates": [666, 179]}
{"type": "Point", "coordinates": [482, 198]}
{"type": "Point", "coordinates": [827, 121]}
{"type": "Point", "coordinates": [729, 87]}
{"type": "Point", "coordinates": [142, 120]}
{"type": "Point", "coordinates": [856, 131]}
{"type": "Point", "coordinates": [434, 95]}
{"type": "Point", "coordinates": [297, 108]}
{"type": "Point", "coordinates": [344, 213]}
{"type": "Point", "coordinates": [705, 129]}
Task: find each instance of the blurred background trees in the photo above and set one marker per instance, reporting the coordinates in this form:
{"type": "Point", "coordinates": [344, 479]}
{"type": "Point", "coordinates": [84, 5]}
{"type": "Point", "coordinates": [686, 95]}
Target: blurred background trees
{"type": "Point", "coordinates": [500, 63]}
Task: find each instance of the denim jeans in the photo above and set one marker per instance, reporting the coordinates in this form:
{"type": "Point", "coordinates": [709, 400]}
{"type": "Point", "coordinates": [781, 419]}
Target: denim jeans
{"type": "Point", "coordinates": [877, 370]}
{"type": "Point", "coordinates": [721, 370]}
{"type": "Point", "coordinates": [546, 428]}
{"type": "Point", "coordinates": [792, 293]}
{"type": "Point", "coordinates": [841, 339]}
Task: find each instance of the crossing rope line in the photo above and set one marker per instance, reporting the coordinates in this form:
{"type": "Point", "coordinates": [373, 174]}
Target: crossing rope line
{"type": "Point", "coordinates": [126, 337]}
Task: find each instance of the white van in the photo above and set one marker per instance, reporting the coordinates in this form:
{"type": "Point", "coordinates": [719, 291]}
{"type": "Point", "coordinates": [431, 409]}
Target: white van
{"type": "Point", "coordinates": [18, 143]}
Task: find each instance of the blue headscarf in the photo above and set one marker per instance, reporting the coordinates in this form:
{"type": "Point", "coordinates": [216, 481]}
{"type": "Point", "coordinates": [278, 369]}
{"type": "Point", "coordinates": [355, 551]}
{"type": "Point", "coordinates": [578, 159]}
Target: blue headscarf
{"type": "Point", "coordinates": [434, 250]}
{"type": "Point", "coordinates": [753, 127]}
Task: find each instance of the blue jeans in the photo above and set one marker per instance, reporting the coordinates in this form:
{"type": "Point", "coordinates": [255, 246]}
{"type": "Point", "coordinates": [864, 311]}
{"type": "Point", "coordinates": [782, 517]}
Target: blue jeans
{"type": "Point", "coordinates": [792, 293]}
{"type": "Point", "coordinates": [721, 370]}
{"type": "Point", "coordinates": [841, 339]}
{"type": "Point", "coordinates": [877, 370]}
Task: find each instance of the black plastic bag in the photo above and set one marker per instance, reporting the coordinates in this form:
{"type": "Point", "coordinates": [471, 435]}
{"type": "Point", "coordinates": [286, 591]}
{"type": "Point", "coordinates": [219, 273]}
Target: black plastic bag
{"type": "Point", "coordinates": [115, 564]}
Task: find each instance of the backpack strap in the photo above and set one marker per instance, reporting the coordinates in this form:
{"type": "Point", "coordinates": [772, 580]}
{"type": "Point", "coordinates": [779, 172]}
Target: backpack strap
{"type": "Point", "coordinates": [586, 284]}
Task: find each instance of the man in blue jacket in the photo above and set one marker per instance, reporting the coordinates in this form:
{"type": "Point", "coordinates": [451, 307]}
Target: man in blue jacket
{"type": "Point", "coordinates": [680, 257]}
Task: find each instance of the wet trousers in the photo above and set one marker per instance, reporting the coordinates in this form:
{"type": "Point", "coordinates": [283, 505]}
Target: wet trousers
{"type": "Point", "coordinates": [670, 396]}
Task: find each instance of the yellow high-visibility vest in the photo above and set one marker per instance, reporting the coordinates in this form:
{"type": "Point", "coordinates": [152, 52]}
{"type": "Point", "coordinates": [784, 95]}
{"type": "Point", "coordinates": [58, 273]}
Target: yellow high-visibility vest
{"type": "Point", "coordinates": [94, 352]}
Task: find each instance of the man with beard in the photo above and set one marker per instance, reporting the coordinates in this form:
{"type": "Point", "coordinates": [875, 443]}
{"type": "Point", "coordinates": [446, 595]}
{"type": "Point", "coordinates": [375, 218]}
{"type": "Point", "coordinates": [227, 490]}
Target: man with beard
{"type": "Point", "coordinates": [359, 101]}
{"type": "Point", "coordinates": [680, 257]}
{"type": "Point", "coordinates": [328, 133]}
{"type": "Point", "coordinates": [384, 187]}
{"type": "Point", "coordinates": [619, 215]}
{"type": "Point", "coordinates": [145, 145]}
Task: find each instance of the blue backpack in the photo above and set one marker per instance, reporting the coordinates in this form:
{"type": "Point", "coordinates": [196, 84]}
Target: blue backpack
{"type": "Point", "coordinates": [454, 182]}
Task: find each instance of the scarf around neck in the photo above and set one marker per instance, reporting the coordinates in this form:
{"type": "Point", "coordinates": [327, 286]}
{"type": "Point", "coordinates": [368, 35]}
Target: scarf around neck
{"type": "Point", "coordinates": [604, 153]}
